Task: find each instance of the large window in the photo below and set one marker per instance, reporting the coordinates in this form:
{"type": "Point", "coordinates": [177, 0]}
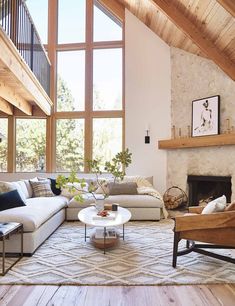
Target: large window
{"type": "Point", "coordinates": [89, 83]}
{"type": "Point", "coordinates": [107, 138]}
{"type": "Point", "coordinates": [71, 81]}
{"type": "Point", "coordinates": [30, 145]}
{"type": "Point", "coordinates": [106, 26]}
{"type": "Point", "coordinates": [3, 144]}
{"type": "Point", "coordinates": [107, 79]}
{"type": "Point", "coordinates": [85, 47]}
{"type": "Point", "coordinates": [72, 20]}
{"type": "Point", "coordinates": [70, 145]}
{"type": "Point", "coordinates": [39, 12]}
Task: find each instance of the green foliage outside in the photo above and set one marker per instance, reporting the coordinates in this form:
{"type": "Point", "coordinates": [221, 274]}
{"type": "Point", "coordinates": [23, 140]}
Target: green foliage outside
{"type": "Point", "coordinates": [31, 139]}
{"type": "Point", "coordinates": [3, 145]}
{"type": "Point", "coordinates": [30, 144]}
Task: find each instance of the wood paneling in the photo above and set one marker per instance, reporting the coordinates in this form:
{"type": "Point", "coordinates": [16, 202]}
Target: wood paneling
{"type": "Point", "coordinates": [200, 295]}
{"type": "Point", "coordinates": [229, 5]}
{"type": "Point", "coordinates": [213, 22]}
{"type": "Point", "coordinates": [193, 32]}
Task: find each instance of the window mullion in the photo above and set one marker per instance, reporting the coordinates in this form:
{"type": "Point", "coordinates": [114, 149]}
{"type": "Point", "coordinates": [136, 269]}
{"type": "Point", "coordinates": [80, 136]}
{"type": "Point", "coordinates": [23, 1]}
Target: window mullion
{"type": "Point", "coordinates": [88, 82]}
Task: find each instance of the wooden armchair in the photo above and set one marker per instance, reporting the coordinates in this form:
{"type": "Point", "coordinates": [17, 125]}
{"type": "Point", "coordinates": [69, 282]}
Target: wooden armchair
{"type": "Point", "coordinates": [216, 231]}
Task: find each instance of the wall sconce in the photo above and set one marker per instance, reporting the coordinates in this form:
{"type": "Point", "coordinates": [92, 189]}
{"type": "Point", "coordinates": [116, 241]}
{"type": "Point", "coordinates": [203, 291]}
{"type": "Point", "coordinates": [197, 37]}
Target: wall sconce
{"type": "Point", "coordinates": [147, 137]}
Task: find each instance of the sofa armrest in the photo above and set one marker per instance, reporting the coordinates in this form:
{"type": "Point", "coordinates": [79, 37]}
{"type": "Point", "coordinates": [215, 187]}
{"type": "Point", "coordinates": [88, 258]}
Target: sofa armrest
{"type": "Point", "coordinates": [197, 222]}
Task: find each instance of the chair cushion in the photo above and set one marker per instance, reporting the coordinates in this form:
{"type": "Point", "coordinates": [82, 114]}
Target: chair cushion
{"type": "Point", "coordinates": [134, 201]}
{"type": "Point", "coordinates": [36, 212]}
{"type": "Point", "coordinates": [216, 205]}
{"type": "Point", "coordinates": [10, 199]}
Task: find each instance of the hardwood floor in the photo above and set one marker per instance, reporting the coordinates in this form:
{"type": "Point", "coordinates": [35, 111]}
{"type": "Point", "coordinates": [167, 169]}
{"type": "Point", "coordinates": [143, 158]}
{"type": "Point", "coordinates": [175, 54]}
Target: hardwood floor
{"type": "Point", "coordinates": [200, 295]}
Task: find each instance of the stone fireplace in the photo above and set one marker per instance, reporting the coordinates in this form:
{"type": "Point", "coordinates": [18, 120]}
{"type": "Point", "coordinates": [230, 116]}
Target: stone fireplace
{"type": "Point", "coordinates": [201, 188]}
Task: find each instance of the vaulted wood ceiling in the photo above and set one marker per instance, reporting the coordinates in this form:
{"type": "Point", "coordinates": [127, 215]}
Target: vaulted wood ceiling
{"type": "Point", "coordinates": [202, 27]}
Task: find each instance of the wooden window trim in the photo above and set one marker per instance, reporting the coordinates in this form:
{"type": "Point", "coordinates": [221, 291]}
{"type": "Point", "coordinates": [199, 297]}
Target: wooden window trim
{"type": "Point", "coordinates": [52, 48]}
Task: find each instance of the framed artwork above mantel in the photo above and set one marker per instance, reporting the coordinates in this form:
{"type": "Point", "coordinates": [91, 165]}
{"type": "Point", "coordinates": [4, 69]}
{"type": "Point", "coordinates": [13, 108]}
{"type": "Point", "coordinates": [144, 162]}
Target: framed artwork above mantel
{"type": "Point", "coordinates": [206, 116]}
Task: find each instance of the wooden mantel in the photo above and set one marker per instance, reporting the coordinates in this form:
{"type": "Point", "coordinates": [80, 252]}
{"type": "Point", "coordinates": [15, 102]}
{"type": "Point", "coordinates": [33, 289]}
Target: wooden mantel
{"type": "Point", "coordinates": [196, 142]}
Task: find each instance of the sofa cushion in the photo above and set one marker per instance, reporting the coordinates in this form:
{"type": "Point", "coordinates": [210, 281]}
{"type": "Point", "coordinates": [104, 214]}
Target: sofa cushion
{"type": "Point", "coordinates": [88, 199]}
{"type": "Point", "coordinates": [35, 213]}
{"type": "Point", "coordinates": [10, 199]}
{"type": "Point", "coordinates": [134, 201]}
{"type": "Point", "coordinates": [122, 188]}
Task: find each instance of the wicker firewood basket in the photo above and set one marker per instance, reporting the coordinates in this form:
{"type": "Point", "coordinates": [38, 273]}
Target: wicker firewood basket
{"type": "Point", "coordinates": [175, 197]}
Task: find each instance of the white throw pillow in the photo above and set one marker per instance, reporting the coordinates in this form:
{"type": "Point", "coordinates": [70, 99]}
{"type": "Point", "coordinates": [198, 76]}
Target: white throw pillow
{"type": "Point", "coordinates": [23, 188]}
{"type": "Point", "coordinates": [216, 205]}
{"type": "Point", "coordinates": [68, 193]}
{"type": "Point", "coordinates": [29, 187]}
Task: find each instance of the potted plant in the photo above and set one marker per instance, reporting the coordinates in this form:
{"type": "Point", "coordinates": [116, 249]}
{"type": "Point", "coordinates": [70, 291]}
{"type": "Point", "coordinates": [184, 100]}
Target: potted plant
{"type": "Point", "coordinates": [116, 167]}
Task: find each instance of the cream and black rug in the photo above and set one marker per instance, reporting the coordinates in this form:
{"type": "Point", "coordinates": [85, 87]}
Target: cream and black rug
{"type": "Point", "coordinates": [144, 258]}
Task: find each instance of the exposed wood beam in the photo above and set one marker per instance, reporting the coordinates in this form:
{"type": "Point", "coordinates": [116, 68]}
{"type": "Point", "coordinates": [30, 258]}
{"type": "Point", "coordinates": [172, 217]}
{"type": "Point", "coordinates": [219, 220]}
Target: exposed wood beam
{"type": "Point", "coordinates": [196, 36]}
{"type": "Point", "coordinates": [229, 5]}
{"type": "Point", "coordinates": [6, 107]}
{"type": "Point", "coordinates": [7, 94]}
{"type": "Point", "coordinates": [115, 7]}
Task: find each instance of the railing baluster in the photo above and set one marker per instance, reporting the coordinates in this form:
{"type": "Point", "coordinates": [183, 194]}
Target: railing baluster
{"type": "Point", "coordinates": [16, 21]}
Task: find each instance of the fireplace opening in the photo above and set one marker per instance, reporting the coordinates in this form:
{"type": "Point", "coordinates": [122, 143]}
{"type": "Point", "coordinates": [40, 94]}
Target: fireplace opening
{"type": "Point", "coordinates": [207, 188]}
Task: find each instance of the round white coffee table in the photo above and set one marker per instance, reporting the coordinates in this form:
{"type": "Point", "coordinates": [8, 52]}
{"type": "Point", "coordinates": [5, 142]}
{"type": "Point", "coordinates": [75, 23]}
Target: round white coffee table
{"type": "Point", "coordinates": [121, 216]}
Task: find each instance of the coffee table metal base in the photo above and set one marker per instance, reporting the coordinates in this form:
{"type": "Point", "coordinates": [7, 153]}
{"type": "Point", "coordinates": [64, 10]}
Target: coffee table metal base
{"type": "Point", "coordinates": [107, 242]}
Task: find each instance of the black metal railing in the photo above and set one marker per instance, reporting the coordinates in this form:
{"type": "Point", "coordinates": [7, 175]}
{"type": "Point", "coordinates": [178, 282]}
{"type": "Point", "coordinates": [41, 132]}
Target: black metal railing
{"type": "Point", "coordinates": [16, 21]}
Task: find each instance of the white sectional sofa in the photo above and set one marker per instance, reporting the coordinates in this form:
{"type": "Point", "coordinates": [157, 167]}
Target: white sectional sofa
{"type": "Point", "coordinates": [43, 215]}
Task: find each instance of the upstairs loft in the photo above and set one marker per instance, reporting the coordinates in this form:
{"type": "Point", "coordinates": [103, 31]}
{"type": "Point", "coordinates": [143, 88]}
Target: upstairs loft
{"type": "Point", "coordinates": [24, 65]}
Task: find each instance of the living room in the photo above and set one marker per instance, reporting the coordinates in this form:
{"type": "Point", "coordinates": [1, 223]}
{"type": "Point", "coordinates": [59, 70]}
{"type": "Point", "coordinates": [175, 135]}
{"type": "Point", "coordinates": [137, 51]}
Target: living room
{"type": "Point", "coordinates": [122, 74]}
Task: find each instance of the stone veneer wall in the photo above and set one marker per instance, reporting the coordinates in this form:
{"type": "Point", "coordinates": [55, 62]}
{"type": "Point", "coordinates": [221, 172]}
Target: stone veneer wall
{"type": "Point", "coordinates": [194, 77]}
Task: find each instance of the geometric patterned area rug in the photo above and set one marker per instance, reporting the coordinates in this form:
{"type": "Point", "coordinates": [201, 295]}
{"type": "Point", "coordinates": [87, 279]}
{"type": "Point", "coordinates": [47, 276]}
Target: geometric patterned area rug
{"type": "Point", "coordinates": [144, 258]}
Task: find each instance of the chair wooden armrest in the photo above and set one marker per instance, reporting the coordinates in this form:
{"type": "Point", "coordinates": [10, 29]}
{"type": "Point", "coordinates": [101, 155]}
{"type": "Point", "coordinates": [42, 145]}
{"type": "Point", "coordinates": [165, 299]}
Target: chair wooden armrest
{"type": "Point", "coordinates": [196, 209]}
{"type": "Point", "coordinates": [210, 221]}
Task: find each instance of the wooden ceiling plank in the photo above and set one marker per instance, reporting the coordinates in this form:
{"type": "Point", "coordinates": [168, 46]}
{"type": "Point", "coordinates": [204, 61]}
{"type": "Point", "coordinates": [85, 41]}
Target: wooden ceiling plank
{"type": "Point", "coordinates": [7, 94]}
{"type": "Point", "coordinates": [196, 36]}
{"type": "Point", "coordinates": [229, 5]}
{"type": "Point", "coordinates": [6, 107]}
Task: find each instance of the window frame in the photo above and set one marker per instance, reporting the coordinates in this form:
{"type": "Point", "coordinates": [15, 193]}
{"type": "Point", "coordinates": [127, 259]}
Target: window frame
{"type": "Point", "coordinates": [52, 47]}
{"type": "Point", "coordinates": [88, 114]}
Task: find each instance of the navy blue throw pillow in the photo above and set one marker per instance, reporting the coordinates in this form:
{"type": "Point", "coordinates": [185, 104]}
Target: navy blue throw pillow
{"type": "Point", "coordinates": [10, 199]}
{"type": "Point", "coordinates": [55, 190]}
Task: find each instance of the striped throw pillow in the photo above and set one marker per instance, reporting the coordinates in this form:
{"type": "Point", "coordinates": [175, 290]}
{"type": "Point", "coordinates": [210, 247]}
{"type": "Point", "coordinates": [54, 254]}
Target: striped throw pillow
{"type": "Point", "coordinates": [41, 189]}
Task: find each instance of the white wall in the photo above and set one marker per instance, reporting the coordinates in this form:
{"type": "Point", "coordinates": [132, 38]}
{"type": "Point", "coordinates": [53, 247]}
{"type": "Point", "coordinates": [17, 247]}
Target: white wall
{"type": "Point", "coordinates": [148, 98]}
